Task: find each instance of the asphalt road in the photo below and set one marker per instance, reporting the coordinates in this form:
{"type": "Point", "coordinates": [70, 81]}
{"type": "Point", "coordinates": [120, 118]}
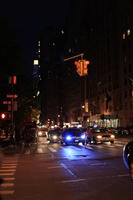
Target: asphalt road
{"type": "Point", "coordinates": [53, 172]}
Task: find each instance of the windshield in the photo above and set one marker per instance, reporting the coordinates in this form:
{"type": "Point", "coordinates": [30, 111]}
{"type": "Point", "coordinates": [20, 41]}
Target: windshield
{"type": "Point", "coordinates": [99, 131]}
{"type": "Point", "coordinates": [75, 132]}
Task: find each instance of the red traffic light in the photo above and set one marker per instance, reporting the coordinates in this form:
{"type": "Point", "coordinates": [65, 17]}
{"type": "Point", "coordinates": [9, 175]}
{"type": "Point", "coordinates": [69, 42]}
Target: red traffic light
{"type": "Point", "coordinates": [3, 115]}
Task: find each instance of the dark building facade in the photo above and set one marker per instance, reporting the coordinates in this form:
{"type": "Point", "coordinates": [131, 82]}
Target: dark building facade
{"type": "Point", "coordinates": [102, 31]}
{"type": "Point", "coordinates": [109, 47]}
{"type": "Point", "coordinates": [51, 49]}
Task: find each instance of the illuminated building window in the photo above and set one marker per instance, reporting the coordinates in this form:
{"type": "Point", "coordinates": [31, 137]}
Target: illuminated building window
{"type": "Point", "coordinates": [124, 36]}
{"type": "Point", "coordinates": [38, 50]}
{"type": "Point", "coordinates": [128, 32]}
{"type": "Point", "coordinates": [53, 44]}
{"type": "Point", "coordinates": [69, 50]}
{"type": "Point", "coordinates": [39, 43]}
{"type": "Point", "coordinates": [62, 31]}
{"type": "Point", "coordinates": [36, 62]}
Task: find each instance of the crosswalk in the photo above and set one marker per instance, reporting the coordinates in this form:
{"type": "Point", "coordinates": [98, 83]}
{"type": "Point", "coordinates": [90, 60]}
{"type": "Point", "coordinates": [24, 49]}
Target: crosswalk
{"type": "Point", "coordinates": [8, 169]}
{"type": "Point", "coordinates": [89, 147]}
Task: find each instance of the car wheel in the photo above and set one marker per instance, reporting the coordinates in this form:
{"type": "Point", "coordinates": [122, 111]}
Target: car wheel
{"type": "Point", "coordinates": [131, 170]}
{"type": "Point", "coordinates": [112, 142]}
{"type": "Point", "coordinates": [89, 140]}
{"type": "Point", "coordinates": [94, 141]}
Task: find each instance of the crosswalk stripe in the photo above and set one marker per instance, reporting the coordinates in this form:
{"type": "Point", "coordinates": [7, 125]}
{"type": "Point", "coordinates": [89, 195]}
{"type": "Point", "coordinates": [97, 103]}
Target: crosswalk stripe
{"type": "Point", "coordinates": [9, 179]}
{"type": "Point", "coordinates": [7, 170]}
{"type": "Point", "coordinates": [6, 192]}
{"type": "Point", "coordinates": [7, 174]}
{"type": "Point", "coordinates": [52, 149]}
{"type": "Point", "coordinates": [8, 167]}
{"type": "Point", "coordinates": [5, 185]}
{"type": "Point", "coordinates": [9, 162]}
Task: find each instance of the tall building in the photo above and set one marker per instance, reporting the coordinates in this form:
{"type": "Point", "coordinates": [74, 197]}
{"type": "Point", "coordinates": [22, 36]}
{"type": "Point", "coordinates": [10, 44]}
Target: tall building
{"type": "Point", "coordinates": [10, 57]}
{"type": "Point", "coordinates": [52, 40]}
{"type": "Point", "coordinates": [103, 32]}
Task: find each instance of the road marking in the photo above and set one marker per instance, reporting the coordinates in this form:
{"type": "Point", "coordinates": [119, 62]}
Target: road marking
{"type": "Point", "coordinates": [8, 164]}
{"type": "Point", "coordinates": [88, 147]}
{"type": "Point", "coordinates": [5, 185]}
{"type": "Point", "coordinates": [9, 179]}
{"type": "Point", "coordinates": [7, 170]}
{"type": "Point", "coordinates": [54, 167]}
{"type": "Point", "coordinates": [73, 181]}
{"type": "Point", "coordinates": [8, 167]}
{"type": "Point", "coordinates": [69, 171]}
{"type": "Point", "coordinates": [123, 175]}
{"type": "Point", "coordinates": [97, 164]}
{"type": "Point", "coordinates": [52, 149]}
{"type": "Point", "coordinates": [6, 174]}
{"type": "Point", "coordinates": [6, 192]}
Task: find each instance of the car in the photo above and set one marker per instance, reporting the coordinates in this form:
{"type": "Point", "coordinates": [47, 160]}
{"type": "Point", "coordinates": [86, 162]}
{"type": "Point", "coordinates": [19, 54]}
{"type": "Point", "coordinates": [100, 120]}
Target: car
{"type": "Point", "coordinates": [42, 132]}
{"type": "Point", "coordinates": [54, 136]}
{"type": "Point", "coordinates": [73, 136]}
{"type": "Point", "coordinates": [128, 157]}
{"type": "Point", "coordinates": [100, 135]}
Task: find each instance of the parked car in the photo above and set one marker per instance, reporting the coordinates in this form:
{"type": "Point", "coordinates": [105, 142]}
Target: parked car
{"type": "Point", "coordinates": [73, 136]}
{"type": "Point", "coordinates": [100, 135]}
{"type": "Point", "coordinates": [54, 135]}
{"type": "Point", "coordinates": [128, 157]}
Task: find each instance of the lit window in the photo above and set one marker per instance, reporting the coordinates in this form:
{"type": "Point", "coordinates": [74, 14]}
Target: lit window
{"type": "Point", "coordinates": [36, 62]}
{"type": "Point", "coordinates": [38, 92]}
{"type": "Point", "coordinates": [128, 32]}
{"type": "Point", "coordinates": [124, 36]}
{"type": "Point", "coordinates": [39, 43]}
{"type": "Point", "coordinates": [53, 44]}
{"type": "Point", "coordinates": [38, 50]}
{"type": "Point", "coordinates": [62, 32]}
{"type": "Point", "coordinates": [69, 50]}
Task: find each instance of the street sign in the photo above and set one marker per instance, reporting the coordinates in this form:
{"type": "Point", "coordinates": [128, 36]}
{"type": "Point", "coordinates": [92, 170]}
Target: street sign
{"type": "Point", "coordinates": [12, 96]}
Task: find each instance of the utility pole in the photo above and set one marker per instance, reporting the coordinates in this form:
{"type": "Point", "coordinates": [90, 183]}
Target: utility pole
{"type": "Point", "coordinates": [12, 96]}
{"type": "Point", "coordinates": [81, 66]}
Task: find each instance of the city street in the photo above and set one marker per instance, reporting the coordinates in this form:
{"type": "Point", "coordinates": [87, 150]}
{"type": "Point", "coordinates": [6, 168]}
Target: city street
{"type": "Point", "coordinates": [51, 171]}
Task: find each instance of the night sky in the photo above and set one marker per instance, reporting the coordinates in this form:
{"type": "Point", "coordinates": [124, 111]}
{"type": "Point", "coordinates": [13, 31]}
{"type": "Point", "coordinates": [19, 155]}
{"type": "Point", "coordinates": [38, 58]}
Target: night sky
{"type": "Point", "coordinates": [30, 18]}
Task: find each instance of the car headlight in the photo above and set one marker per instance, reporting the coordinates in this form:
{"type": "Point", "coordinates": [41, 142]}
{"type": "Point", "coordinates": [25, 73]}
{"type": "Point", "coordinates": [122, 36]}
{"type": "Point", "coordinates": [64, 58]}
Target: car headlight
{"type": "Point", "coordinates": [99, 136]}
{"type": "Point", "coordinates": [68, 138]}
{"type": "Point", "coordinates": [54, 137]}
{"type": "Point", "coordinates": [83, 136]}
{"type": "Point", "coordinates": [40, 133]}
{"type": "Point", "coordinates": [112, 136]}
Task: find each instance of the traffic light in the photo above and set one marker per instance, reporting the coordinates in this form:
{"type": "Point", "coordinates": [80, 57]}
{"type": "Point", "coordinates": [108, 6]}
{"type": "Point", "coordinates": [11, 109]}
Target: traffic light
{"type": "Point", "coordinates": [3, 116]}
{"type": "Point", "coordinates": [81, 66]}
